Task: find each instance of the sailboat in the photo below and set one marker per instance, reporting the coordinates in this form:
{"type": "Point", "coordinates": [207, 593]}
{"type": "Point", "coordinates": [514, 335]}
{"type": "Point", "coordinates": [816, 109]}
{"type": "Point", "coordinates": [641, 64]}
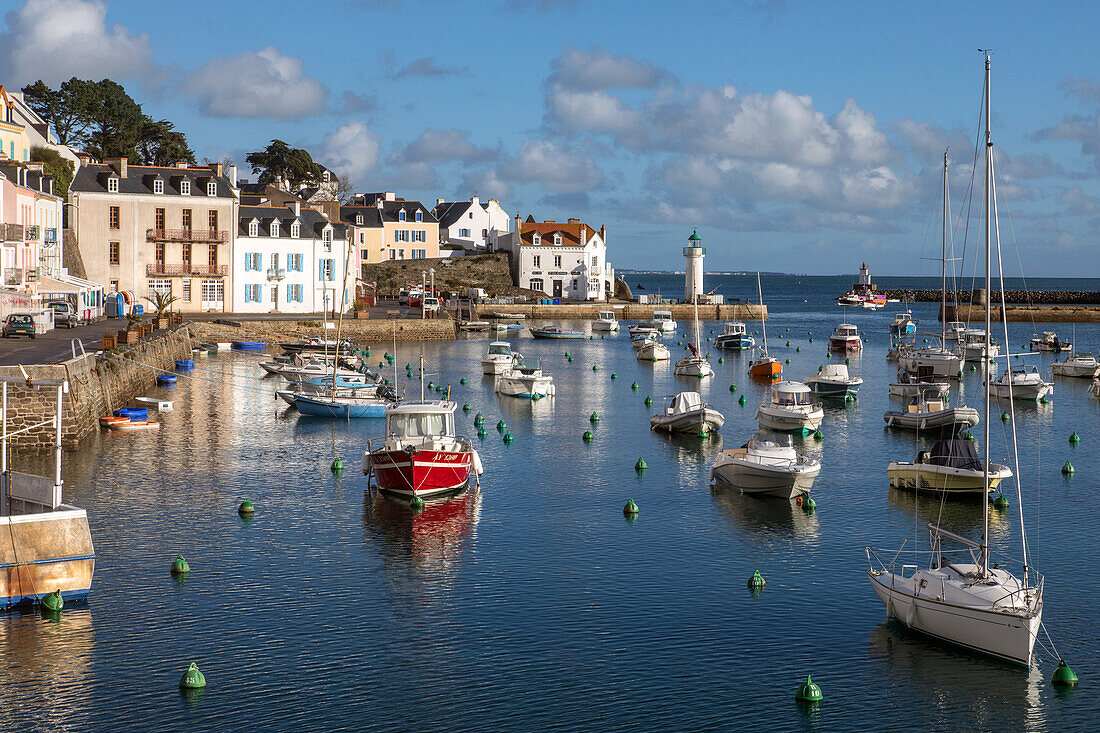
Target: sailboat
{"type": "Point", "coordinates": [967, 600]}
{"type": "Point", "coordinates": [695, 365]}
{"type": "Point", "coordinates": [763, 364]}
{"type": "Point", "coordinates": [943, 361]}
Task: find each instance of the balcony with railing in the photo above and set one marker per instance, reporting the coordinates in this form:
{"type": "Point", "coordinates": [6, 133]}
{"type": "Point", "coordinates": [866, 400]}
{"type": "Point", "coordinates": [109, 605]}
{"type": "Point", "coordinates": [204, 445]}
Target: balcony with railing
{"type": "Point", "coordinates": [276, 273]}
{"type": "Point", "coordinates": [183, 270]}
{"type": "Point", "coordinates": [11, 233]}
{"type": "Point", "coordinates": [13, 277]}
{"type": "Point", "coordinates": [51, 235]}
{"type": "Point", "coordinates": [31, 232]}
{"type": "Point", "coordinates": [187, 235]}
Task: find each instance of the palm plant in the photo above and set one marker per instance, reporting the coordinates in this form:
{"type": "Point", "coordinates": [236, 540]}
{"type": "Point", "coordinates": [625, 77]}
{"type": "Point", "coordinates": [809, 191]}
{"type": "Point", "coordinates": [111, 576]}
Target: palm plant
{"type": "Point", "coordinates": [161, 302]}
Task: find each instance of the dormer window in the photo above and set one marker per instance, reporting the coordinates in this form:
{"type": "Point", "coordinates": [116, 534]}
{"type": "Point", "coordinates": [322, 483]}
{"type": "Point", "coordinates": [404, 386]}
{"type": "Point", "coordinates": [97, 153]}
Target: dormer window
{"type": "Point", "coordinates": [326, 235]}
{"type": "Point", "coordinates": [253, 228]}
{"type": "Point", "coordinates": [557, 238]}
{"type": "Point", "coordinates": [212, 188]}
{"type": "Point", "coordinates": [359, 220]}
{"type": "Point", "coordinates": [112, 185]}
{"type": "Point", "coordinates": [536, 238]}
{"type": "Point", "coordinates": [419, 216]}
{"type": "Point", "coordinates": [158, 186]}
{"type": "Point", "coordinates": [185, 188]}
{"type": "Point", "coordinates": [295, 230]}
{"type": "Point", "coordinates": [401, 215]}
{"type": "Point", "coordinates": [275, 228]}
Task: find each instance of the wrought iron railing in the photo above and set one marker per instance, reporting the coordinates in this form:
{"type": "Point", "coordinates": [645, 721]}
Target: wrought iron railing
{"type": "Point", "coordinates": [186, 269]}
{"type": "Point", "coordinates": [187, 235]}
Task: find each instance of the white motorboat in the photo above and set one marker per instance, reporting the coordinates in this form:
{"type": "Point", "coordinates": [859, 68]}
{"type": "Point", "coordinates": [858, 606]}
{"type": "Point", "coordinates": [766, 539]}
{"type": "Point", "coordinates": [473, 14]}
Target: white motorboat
{"type": "Point", "coordinates": [929, 410]}
{"type": "Point", "coordinates": [605, 321]}
{"type": "Point", "coordinates": [498, 358]}
{"type": "Point", "coordinates": [767, 465]}
{"type": "Point", "coordinates": [908, 385]}
{"type": "Point", "coordinates": [1022, 383]}
{"type": "Point", "coordinates": [314, 369]}
{"type": "Point", "coordinates": [734, 336]}
{"type": "Point", "coordinates": [903, 324]}
{"type": "Point", "coordinates": [687, 413]}
{"type": "Point", "coordinates": [789, 409]}
{"type": "Point", "coordinates": [695, 364]}
{"type": "Point", "coordinates": [963, 598]}
{"type": "Point", "coordinates": [952, 467]}
{"type": "Point", "coordinates": [644, 328]}
{"type": "Point", "coordinates": [639, 340]}
{"type": "Point", "coordinates": [525, 379]}
{"type": "Point", "coordinates": [954, 331]}
{"type": "Point", "coordinates": [975, 344]}
{"type": "Point", "coordinates": [1094, 388]}
{"type": "Point", "coordinates": [662, 321]}
{"type": "Point", "coordinates": [845, 338]}
{"type": "Point", "coordinates": [1048, 341]}
{"type": "Point", "coordinates": [653, 350]}
{"type": "Point", "coordinates": [833, 380]}
{"type": "Point", "coordinates": [943, 362]}
{"type": "Point", "coordinates": [1081, 366]}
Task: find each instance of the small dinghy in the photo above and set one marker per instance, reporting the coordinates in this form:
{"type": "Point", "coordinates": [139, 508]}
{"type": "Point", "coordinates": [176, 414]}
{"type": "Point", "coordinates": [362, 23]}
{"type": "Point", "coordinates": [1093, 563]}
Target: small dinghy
{"type": "Point", "coordinates": [109, 420]}
{"type": "Point", "coordinates": [687, 413]}
{"type": "Point", "coordinates": [159, 404]}
{"type": "Point", "coordinates": [134, 425]}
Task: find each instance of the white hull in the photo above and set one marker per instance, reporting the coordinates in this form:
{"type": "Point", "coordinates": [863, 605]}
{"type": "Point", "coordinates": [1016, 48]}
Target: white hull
{"type": "Point", "coordinates": [788, 421]}
{"type": "Point", "coordinates": [605, 326]}
{"type": "Point", "coordinates": [495, 366]}
{"type": "Point", "coordinates": [525, 386]}
{"type": "Point", "coordinates": [1082, 371]}
{"type": "Point", "coordinates": [654, 352]}
{"type": "Point", "coordinates": [702, 420]}
{"type": "Point", "coordinates": [692, 368]}
{"type": "Point", "coordinates": [756, 478]}
{"type": "Point", "coordinates": [939, 419]}
{"type": "Point", "coordinates": [913, 390]}
{"type": "Point", "coordinates": [943, 364]}
{"type": "Point", "coordinates": [1023, 392]}
{"type": "Point", "coordinates": [944, 479]}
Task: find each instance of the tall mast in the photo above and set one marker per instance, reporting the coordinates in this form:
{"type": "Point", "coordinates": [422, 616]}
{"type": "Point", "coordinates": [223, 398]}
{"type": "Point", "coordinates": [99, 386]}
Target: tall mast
{"type": "Point", "coordinates": [763, 327]}
{"type": "Point", "coordinates": [943, 258]}
{"type": "Point", "coordinates": [988, 299]}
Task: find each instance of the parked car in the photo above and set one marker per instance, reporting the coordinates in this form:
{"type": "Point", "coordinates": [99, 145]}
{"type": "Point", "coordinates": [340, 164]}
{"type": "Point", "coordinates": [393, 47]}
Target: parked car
{"type": "Point", "coordinates": [19, 324]}
{"type": "Point", "coordinates": [431, 304]}
{"type": "Point", "coordinates": [64, 315]}
{"type": "Point", "coordinates": [403, 297]}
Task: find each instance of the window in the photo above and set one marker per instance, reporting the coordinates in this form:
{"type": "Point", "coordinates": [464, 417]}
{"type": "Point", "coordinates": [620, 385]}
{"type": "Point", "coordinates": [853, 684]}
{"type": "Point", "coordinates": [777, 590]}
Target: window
{"type": "Point", "coordinates": [187, 253]}
{"type": "Point", "coordinates": [536, 283]}
{"type": "Point", "coordinates": [113, 217]}
{"type": "Point", "coordinates": [294, 262]}
{"type": "Point", "coordinates": [160, 286]}
{"type": "Point", "coordinates": [212, 219]}
{"type": "Point", "coordinates": [212, 256]}
{"type": "Point", "coordinates": [327, 237]}
{"type": "Point", "coordinates": [212, 188]}
{"type": "Point", "coordinates": [275, 260]}
{"type": "Point", "coordinates": [362, 238]}
{"type": "Point", "coordinates": [359, 220]}
{"type": "Point", "coordinates": [536, 261]}
{"type": "Point", "coordinates": [113, 257]}
{"type": "Point", "coordinates": [253, 229]}
{"type": "Point", "coordinates": [114, 286]}
{"type": "Point", "coordinates": [251, 293]}
{"type": "Point", "coordinates": [186, 290]}
{"type": "Point", "coordinates": [251, 261]}
{"type": "Point", "coordinates": [295, 230]}
{"type": "Point", "coordinates": [574, 283]}
{"type": "Point", "coordinates": [185, 187]}
{"type": "Point", "coordinates": [464, 233]}
{"type": "Point", "coordinates": [419, 215]}
{"type": "Point", "coordinates": [294, 293]}
{"type": "Point", "coordinates": [557, 261]}
{"type": "Point", "coordinates": [187, 220]}
{"type": "Point", "coordinates": [595, 262]}
{"type": "Point", "coordinates": [401, 215]}
{"type": "Point", "coordinates": [326, 270]}
{"type": "Point", "coordinates": [484, 233]}
{"type": "Point", "coordinates": [213, 293]}
{"type": "Point", "coordinates": [275, 228]}
{"type": "Point", "coordinates": [159, 220]}
{"type": "Point", "coordinates": [275, 295]}
{"type": "Point", "coordinates": [159, 253]}
{"type": "Point", "coordinates": [557, 238]}
{"type": "Point", "coordinates": [536, 238]}
{"type": "Point", "coordinates": [158, 185]}
{"type": "Point", "coordinates": [401, 253]}
{"type": "Point", "coordinates": [364, 254]}
{"type": "Point", "coordinates": [112, 185]}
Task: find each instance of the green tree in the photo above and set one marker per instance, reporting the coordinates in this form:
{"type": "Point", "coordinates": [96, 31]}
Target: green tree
{"type": "Point", "coordinates": [60, 168]}
{"type": "Point", "coordinates": [71, 108]}
{"type": "Point", "coordinates": [117, 124]}
{"type": "Point", "coordinates": [161, 144]}
{"type": "Point", "coordinates": [278, 160]}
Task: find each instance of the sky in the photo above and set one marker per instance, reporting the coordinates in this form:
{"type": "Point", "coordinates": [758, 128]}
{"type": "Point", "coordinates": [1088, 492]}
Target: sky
{"type": "Point", "coordinates": [795, 136]}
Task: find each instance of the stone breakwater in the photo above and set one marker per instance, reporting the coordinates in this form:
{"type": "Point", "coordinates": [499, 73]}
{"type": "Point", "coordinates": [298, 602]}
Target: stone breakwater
{"type": "Point", "coordinates": [1036, 297]}
{"type": "Point", "coordinates": [98, 384]}
{"type": "Point", "coordinates": [629, 311]}
{"type": "Point", "coordinates": [975, 314]}
{"type": "Point", "coordinates": [372, 331]}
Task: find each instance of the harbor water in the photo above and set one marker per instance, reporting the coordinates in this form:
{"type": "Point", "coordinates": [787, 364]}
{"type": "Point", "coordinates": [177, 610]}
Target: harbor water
{"type": "Point", "coordinates": [531, 603]}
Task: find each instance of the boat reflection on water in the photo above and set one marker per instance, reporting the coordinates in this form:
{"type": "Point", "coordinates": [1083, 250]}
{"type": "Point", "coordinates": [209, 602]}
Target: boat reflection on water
{"type": "Point", "coordinates": [764, 514]}
{"type": "Point", "coordinates": [431, 542]}
{"type": "Point", "coordinates": [688, 449]}
{"type": "Point", "coordinates": [955, 684]}
{"type": "Point", "coordinates": [957, 515]}
{"type": "Point", "coordinates": [47, 671]}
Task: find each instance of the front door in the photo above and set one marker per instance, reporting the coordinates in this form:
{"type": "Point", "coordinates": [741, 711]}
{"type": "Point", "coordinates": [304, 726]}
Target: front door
{"type": "Point", "coordinates": [557, 288]}
{"type": "Point", "coordinates": [213, 295]}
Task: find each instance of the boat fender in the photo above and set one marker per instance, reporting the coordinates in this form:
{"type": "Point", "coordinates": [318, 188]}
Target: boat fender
{"type": "Point", "coordinates": [478, 467]}
{"type": "Point", "coordinates": [911, 615]}
{"type": "Point", "coordinates": [798, 500]}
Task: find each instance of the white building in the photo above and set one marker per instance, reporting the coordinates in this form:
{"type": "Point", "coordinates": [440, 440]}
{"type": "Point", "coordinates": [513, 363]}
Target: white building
{"type": "Point", "coordinates": [290, 260]}
{"type": "Point", "coordinates": [40, 132]}
{"type": "Point", "coordinates": [471, 224]}
{"type": "Point", "coordinates": [563, 260]}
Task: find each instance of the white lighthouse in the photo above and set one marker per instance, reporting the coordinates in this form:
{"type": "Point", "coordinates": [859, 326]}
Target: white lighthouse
{"type": "Point", "coordinates": [693, 271]}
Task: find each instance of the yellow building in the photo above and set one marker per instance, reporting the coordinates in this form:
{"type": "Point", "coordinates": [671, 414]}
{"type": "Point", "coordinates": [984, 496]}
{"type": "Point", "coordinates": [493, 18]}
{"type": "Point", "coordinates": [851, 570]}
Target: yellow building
{"type": "Point", "coordinates": [14, 143]}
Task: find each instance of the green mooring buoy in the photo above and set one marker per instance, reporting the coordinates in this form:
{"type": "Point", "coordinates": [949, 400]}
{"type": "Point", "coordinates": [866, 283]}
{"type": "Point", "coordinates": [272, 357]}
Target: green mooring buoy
{"type": "Point", "coordinates": [337, 465]}
{"type": "Point", "coordinates": [501, 425]}
{"type": "Point", "coordinates": [741, 400]}
{"type": "Point", "coordinates": [246, 507]}
{"type": "Point", "coordinates": [808, 692]}
{"type": "Point", "coordinates": [733, 388]}
{"type": "Point", "coordinates": [1001, 502]}
{"type": "Point", "coordinates": [634, 386]}
{"type": "Point", "coordinates": [52, 602]}
{"type": "Point", "coordinates": [508, 438]}
{"type": "Point", "coordinates": [180, 566]}
{"type": "Point", "coordinates": [594, 417]}
{"type": "Point", "coordinates": [640, 465]}
{"type": "Point", "coordinates": [818, 435]}
{"type": "Point", "coordinates": [192, 678]}
{"type": "Point", "coordinates": [416, 504]}
{"type": "Point", "coordinates": [809, 505]}
{"type": "Point", "coordinates": [1074, 438]}
{"type": "Point", "coordinates": [648, 400]}
{"type": "Point", "coordinates": [1067, 469]}
{"type": "Point", "coordinates": [587, 437]}
{"type": "Point", "coordinates": [1063, 676]}
{"type": "Point", "coordinates": [631, 509]}
{"type": "Point", "coordinates": [756, 580]}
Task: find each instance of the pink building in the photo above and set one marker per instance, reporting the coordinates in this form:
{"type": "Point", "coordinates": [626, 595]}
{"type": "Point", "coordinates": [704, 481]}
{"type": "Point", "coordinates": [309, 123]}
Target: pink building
{"type": "Point", "coordinates": [30, 226]}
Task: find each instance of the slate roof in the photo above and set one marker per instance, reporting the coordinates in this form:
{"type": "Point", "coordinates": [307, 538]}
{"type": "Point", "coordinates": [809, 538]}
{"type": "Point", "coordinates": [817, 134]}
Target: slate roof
{"type": "Point", "coordinates": [92, 178]}
{"type": "Point", "coordinates": [312, 223]}
{"type": "Point", "coordinates": [35, 180]}
{"type": "Point", "coordinates": [371, 216]}
{"type": "Point", "coordinates": [391, 209]}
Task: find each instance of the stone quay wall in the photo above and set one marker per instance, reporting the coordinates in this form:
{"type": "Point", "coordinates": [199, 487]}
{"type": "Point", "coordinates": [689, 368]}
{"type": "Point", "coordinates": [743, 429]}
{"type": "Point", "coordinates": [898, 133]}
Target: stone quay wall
{"type": "Point", "coordinates": [629, 311]}
{"type": "Point", "coordinates": [1036, 297]}
{"type": "Point", "coordinates": [98, 384]}
{"type": "Point", "coordinates": [364, 331]}
{"type": "Point", "coordinates": [975, 314]}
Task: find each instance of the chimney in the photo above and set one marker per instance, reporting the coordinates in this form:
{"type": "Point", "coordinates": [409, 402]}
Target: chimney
{"type": "Point", "coordinates": [474, 201]}
{"type": "Point", "coordinates": [296, 207]}
{"type": "Point", "coordinates": [233, 176]}
{"type": "Point", "coordinates": [181, 164]}
{"type": "Point", "coordinates": [574, 221]}
{"type": "Point", "coordinates": [603, 233]}
{"type": "Point", "coordinates": [391, 196]}
{"type": "Point", "coordinates": [584, 234]}
{"type": "Point", "coordinates": [378, 202]}
{"type": "Point", "coordinates": [217, 168]}
{"type": "Point", "coordinates": [439, 202]}
{"type": "Point", "coordinates": [84, 158]}
{"type": "Point", "coordinates": [119, 166]}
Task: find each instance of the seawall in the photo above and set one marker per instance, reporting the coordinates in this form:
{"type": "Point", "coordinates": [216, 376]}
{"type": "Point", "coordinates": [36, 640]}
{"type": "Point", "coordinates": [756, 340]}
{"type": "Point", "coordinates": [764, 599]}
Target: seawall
{"type": "Point", "coordinates": [1037, 297]}
{"type": "Point", "coordinates": [1024, 313]}
{"type": "Point", "coordinates": [629, 311]}
{"type": "Point", "coordinates": [364, 331]}
{"type": "Point", "coordinates": [98, 384]}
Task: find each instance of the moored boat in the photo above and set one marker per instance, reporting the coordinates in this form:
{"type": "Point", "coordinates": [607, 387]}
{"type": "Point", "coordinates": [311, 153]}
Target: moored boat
{"type": "Point", "coordinates": [1080, 366]}
{"type": "Point", "coordinates": [951, 467]}
{"type": "Point", "coordinates": [767, 465]}
{"type": "Point", "coordinates": [525, 378]}
{"type": "Point", "coordinates": [605, 321]}
{"type": "Point", "coordinates": [555, 332]}
{"type": "Point", "coordinates": [687, 413]}
{"type": "Point", "coordinates": [1048, 341]}
{"type": "Point", "coordinates": [833, 380]}
{"type": "Point", "coordinates": [929, 410]}
{"type": "Point", "coordinates": [788, 408]}
{"type": "Point", "coordinates": [653, 350]}
{"type": "Point", "coordinates": [903, 324]}
{"type": "Point", "coordinates": [734, 337]}
{"type": "Point", "coordinates": [845, 338]}
{"type": "Point", "coordinates": [498, 358]}
{"type": "Point", "coordinates": [662, 321]}
{"type": "Point", "coordinates": [1021, 383]}
{"type": "Point", "coordinates": [908, 385]}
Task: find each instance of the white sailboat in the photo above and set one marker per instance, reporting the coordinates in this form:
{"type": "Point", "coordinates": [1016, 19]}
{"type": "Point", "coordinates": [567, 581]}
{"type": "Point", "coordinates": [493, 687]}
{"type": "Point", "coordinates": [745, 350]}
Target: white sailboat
{"type": "Point", "coordinates": [695, 365]}
{"type": "Point", "coordinates": [969, 602]}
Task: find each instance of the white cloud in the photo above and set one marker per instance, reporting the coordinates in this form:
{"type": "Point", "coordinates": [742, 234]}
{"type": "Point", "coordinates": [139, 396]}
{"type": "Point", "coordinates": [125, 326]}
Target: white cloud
{"type": "Point", "coordinates": [486, 184]}
{"type": "Point", "coordinates": [262, 83]}
{"type": "Point", "coordinates": [596, 69]}
{"type": "Point", "coordinates": [558, 168]}
{"type": "Point", "coordinates": [434, 146]}
{"type": "Point", "coordinates": [352, 147]}
{"type": "Point", "coordinates": [597, 112]}
{"type": "Point", "coordinates": [54, 40]}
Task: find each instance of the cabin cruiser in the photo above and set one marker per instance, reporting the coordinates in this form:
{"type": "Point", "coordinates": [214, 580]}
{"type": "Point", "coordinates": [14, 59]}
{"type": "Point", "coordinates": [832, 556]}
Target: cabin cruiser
{"type": "Point", "coordinates": [903, 324]}
{"type": "Point", "coordinates": [973, 345]}
{"type": "Point", "coordinates": [955, 331]}
{"type": "Point", "coordinates": [942, 361]}
{"type": "Point", "coordinates": [605, 321]}
{"type": "Point", "coordinates": [734, 337]}
{"type": "Point", "coordinates": [766, 465]}
{"type": "Point", "coordinates": [951, 467]}
{"type": "Point", "coordinates": [925, 381]}
{"type": "Point", "coordinates": [1021, 383]}
{"type": "Point", "coordinates": [498, 358]}
{"type": "Point", "coordinates": [525, 378]}
{"type": "Point", "coordinates": [1084, 366]}
{"type": "Point", "coordinates": [833, 380]}
{"type": "Point", "coordinates": [929, 410]}
{"type": "Point", "coordinates": [1050, 342]}
{"type": "Point", "coordinates": [662, 321]}
{"type": "Point", "coordinates": [653, 350]}
{"type": "Point", "coordinates": [687, 413]}
{"type": "Point", "coordinates": [845, 338]}
{"type": "Point", "coordinates": [790, 409]}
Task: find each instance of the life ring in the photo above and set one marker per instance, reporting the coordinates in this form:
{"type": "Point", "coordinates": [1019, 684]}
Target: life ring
{"type": "Point", "coordinates": [798, 500]}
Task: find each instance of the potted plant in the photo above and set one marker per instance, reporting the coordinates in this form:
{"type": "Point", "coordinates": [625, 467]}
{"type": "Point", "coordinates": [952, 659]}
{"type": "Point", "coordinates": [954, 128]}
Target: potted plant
{"type": "Point", "coordinates": [133, 330]}
{"type": "Point", "coordinates": [162, 305]}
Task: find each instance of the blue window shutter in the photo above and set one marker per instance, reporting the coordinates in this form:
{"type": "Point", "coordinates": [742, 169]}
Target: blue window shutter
{"type": "Point", "coordinates": [320, 269]}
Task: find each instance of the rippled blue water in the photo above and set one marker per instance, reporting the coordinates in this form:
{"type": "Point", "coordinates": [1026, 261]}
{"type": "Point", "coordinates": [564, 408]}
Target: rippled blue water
{"type": "Point", "coordinates": [532, 604]}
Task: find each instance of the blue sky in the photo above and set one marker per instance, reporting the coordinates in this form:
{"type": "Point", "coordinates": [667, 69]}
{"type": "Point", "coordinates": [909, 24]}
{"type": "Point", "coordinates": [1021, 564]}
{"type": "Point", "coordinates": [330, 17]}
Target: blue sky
{"type": "Point", "coordinates": [796, 136]}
